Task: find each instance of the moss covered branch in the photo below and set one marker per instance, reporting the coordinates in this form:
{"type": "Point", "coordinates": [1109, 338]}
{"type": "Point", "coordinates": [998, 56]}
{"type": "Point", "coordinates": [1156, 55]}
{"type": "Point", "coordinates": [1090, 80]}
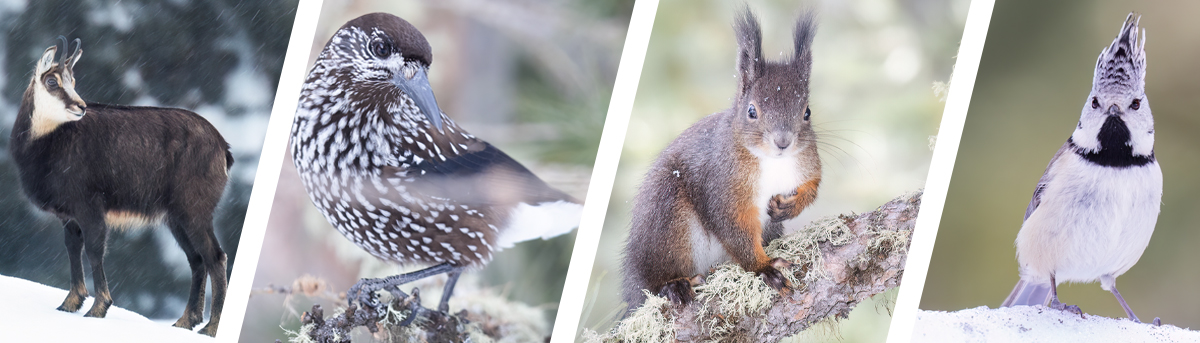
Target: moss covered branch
{"type": "Point", "coordinates": [837, 263]}
{"type": "Point", "coordinates": [484, 316]}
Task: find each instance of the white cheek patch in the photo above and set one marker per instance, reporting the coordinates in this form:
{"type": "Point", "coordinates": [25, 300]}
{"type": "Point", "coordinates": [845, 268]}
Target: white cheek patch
{"type": "Point", "coordinates": [48, 111]}
{"type": "Point", "coordinates": [1085, 135]}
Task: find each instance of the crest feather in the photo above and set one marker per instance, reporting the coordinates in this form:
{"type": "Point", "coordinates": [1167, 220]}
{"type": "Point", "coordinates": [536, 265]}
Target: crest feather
{"type": "Point", "coordinates": [1122, 65]}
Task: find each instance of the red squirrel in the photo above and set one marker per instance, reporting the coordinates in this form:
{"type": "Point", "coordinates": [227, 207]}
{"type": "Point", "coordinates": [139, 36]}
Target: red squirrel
{"type": "Point", "coordinates": [720, 191]}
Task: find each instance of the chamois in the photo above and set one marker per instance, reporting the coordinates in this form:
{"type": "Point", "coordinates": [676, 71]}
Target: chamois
{"type": "Point", "coordinates": [121, 167]}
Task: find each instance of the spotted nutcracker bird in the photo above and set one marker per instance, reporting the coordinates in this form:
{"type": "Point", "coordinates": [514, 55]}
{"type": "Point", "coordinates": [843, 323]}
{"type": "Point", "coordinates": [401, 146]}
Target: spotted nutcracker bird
{"type": "Point", "coordinates": [398, 177]}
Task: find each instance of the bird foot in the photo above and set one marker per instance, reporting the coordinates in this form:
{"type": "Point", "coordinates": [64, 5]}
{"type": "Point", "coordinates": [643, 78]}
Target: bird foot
{"type": "Point", "coordinates": [1054, 304]}
{"type": "Point", "coordinates": [1157, 321]}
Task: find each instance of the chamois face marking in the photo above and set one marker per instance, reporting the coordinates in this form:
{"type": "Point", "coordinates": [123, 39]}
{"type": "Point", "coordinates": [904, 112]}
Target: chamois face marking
{"type": "Point", "coordinates": [54, 98]}
{"type": "Point", "coordinates": [772, 100]}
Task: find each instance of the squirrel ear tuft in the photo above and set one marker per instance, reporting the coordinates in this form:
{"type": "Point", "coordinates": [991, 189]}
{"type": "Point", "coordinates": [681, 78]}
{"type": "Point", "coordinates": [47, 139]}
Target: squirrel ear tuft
{"type": "Point", "coordinates": [806, 28]}
{"type": "Point", "coordinates": [750, 64]}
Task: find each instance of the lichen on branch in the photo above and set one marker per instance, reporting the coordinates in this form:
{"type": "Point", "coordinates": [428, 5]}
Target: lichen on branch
{"type": "Point", "coordinates": [837, 262]}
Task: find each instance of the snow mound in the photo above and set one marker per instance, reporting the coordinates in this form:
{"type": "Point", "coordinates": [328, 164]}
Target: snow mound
{"type": "Point", "coordinates": [28, 314]}
{"type": "Point", "coordinates": [1038, 324]}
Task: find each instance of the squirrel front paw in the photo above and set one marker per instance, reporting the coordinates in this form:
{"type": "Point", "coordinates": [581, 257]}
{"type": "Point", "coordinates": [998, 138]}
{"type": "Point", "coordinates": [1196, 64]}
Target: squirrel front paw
{"type": "Point", "coordinates": [679, 290]}
{"type": "Point", "coordinates": [774, 278]}
{"type": "Point", "coordinates": [783, 207]}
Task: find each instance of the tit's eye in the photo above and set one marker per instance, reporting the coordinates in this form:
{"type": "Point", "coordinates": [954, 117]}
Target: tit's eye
{"type": "Point", "coordinates": [1095, 103]}
{"type": "Point", "coordinates": [51, 83]}
{"type": "Point", "coordinates": [807, 113]}
{"type": "Point", "coordinates": [381, 48]}
{"type": "Point", "coordinates": [752, 112]}
{"type": "Point", "coordinates": [1137, 103]}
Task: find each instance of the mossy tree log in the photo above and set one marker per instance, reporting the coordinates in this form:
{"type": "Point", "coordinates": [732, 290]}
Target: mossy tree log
{"type": "Point", "coordinates": [837, 263]}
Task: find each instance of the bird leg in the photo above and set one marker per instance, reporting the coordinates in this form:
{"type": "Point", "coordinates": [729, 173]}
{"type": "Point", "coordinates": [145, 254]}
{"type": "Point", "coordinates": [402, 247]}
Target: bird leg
{"type": "Point", "coordinates": [364, 290]}
{"type": "Point", "coordinates": [1054, 304]}
{"type": "Point", "coordinates": [1128, 310]}
{"type": "Point", "coordinates": [452, 278]}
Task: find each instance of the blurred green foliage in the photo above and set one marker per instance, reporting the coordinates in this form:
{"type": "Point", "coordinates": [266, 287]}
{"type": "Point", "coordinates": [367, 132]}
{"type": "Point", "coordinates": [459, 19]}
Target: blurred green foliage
{"type": "Point", "coordinates": [1033, 81]}
{"type": "Point", "coordinates": [872, 99]}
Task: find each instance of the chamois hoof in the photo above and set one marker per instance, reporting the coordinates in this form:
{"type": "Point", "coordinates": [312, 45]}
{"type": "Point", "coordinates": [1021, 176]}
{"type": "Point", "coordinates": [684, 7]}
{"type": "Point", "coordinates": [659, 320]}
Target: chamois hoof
{"type": "Point", "coordinates": [71, 304]}
{"type": "Point", "coordinates": [99, 310]}
{"type": "Point", "coordinates": [188, 321]}
{"type": "Point", "coordinates": [209, 330]}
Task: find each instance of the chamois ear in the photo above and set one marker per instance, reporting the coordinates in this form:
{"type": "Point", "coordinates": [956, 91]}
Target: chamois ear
{"type": "Point", "coordinates": [750, 64]}
{"type": "Point", "coordinates": [806, 28]}
{"type": "Point", "coordinates": [46, 62]}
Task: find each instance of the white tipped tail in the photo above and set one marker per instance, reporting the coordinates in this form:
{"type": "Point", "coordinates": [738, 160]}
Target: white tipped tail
{"type": "Point", "coordinates": [1028, 294]}
{"type": "Point", "coordinates": [544, 220]}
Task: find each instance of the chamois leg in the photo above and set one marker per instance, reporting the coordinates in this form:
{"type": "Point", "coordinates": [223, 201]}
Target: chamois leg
{"type": "Point", "coordinates": [214, 258]}
{"type": "Point", "coordinates": [193, 312]}
{"type": "Point", "coordinates": [95, 238]}
{"type": "Point", "coordinates": [78, 292]}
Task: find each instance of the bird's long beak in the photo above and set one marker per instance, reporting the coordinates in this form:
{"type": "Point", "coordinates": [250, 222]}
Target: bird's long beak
{"type": "Point", "coordinates": [419, 90]}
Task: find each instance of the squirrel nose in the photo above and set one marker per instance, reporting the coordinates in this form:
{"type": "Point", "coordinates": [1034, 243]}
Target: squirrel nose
{"type": "Point", "coordinates": [783, 142]}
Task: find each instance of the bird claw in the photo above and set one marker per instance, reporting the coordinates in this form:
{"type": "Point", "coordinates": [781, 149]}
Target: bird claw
{"type": "Point", "coordinates": [1066, 308]}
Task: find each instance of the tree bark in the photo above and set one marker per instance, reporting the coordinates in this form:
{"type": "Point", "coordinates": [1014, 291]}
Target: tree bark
{"type": "Point", "coordinates": [837, 263]}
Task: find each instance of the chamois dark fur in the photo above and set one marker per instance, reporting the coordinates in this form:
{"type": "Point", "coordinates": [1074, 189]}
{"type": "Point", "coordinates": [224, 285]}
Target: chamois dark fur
{"type": "Point", "coordinates": [113, 166]}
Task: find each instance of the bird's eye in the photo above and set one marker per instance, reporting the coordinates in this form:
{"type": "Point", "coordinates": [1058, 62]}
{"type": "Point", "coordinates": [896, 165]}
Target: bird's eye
{"type": "Point", "coordinates": [381, 48]}
{"type": "Point", "coordinates": [752, 112]}
{"type": "Point", "coordinates": [51, 83]}
{"type": "Point", "coordinates": [807, 113]}
{"type": "Point", "coordinates": [1137, 103]}
{"type": "Point", "coordinates": [1095, 103]}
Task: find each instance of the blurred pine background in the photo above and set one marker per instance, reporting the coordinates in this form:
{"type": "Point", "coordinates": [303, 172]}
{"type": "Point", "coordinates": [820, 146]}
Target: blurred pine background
{"type": "Point", "coordinates": [1033, 81]}
{"type": "Point", "coordinates": [220, 59]}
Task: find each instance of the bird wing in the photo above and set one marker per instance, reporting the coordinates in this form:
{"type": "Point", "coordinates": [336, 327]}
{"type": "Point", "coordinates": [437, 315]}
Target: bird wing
{"type": "Point", "coordinates": [483, 174]}
{"type": "Point", "coordinates": [1041, 185]}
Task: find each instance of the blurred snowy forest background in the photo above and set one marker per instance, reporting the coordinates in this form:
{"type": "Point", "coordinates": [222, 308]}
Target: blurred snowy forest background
{"type": "Point", "coordinates": [879, 73]}
{"type": "Point", "coordinates": [533, 77]}
{"type": "Point", "coordinates": [219, 58]}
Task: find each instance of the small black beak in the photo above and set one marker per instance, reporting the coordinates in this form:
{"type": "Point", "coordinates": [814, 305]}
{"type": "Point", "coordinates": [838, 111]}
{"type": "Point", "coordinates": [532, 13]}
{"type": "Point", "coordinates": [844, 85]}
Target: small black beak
{"type": "Point", "coordinates": [1113, 110]}
{"type": "Point", "coordinates": [419, 90]}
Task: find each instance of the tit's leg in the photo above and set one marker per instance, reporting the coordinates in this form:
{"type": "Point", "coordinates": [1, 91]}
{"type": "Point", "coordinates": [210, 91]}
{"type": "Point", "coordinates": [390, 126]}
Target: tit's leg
{"type": "Point", "coordinates": [1125, 306]}
{"type": "Point", "coordinates": [1054, 304]}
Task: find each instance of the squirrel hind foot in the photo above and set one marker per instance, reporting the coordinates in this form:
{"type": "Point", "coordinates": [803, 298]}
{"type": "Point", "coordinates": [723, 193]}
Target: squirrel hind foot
{"type": "Point", "coordinates": [679, 291]}
{"type": "Point", "coordinates": [772, 275]}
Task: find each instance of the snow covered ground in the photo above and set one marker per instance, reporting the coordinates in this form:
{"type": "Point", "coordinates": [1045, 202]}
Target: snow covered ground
{"type": "Point", "coordinates": [29, 315]}
{"type": "Point", "coordinates": [1038, 324]}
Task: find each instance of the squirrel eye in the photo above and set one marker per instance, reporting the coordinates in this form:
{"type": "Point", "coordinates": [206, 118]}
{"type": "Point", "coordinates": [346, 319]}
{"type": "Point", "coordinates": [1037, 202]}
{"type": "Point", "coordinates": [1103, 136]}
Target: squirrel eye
{"type": "Point", "coordinates": [807, 113]}
{"type": "Point", "coordinates": [1137, 103]}
{"type": "Point", "coordinates": [752, 112]}
{"type": "Point", "coordinates": [380, 48]}
{"type": "Point", "coordinates": [1095, 103]}
{"type": "Point", "coordinates": [51, 83]}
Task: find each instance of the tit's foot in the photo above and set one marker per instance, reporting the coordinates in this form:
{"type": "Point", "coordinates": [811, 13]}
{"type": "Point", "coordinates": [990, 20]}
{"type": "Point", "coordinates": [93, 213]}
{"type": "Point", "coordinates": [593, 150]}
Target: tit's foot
{"type": "Point", "coordinates": [1054, 304]}
{"type": "Point", "coordinates": [1157, 321]}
